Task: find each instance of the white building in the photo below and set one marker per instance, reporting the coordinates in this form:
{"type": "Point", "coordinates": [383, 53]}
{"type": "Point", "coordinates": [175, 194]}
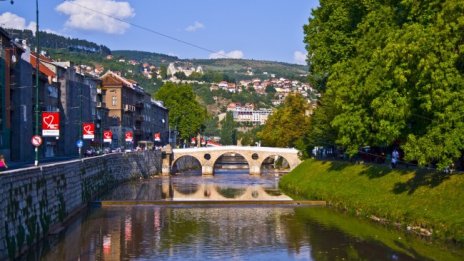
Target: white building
{"type": "Point", "coordinates": [244, 114]}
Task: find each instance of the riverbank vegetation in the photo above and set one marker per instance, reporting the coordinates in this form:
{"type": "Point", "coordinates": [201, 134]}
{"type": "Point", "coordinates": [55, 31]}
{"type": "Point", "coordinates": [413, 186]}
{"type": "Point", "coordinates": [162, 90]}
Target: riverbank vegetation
{"type": "Point", "coordinates": [426, 203]}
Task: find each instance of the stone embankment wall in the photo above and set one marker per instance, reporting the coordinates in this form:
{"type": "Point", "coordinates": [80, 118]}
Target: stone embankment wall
{"type": "Point", "coordinates": [35, 201]}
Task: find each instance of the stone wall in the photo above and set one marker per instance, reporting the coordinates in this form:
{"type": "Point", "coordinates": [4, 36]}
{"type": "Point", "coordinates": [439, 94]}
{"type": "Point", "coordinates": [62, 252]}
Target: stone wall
{"type": "Point", "coordinates": [36, 200]}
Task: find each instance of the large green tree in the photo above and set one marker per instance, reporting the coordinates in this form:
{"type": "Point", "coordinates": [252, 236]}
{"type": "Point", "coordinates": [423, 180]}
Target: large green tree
{"type": "Point", "coordinates": [185, 113]}
{"type": "Point", "coordinates": [287, 125]}
{"type": "Point", "coordinates": [396, 75]}
{"type": "Point", "coordinates": [329, 35]}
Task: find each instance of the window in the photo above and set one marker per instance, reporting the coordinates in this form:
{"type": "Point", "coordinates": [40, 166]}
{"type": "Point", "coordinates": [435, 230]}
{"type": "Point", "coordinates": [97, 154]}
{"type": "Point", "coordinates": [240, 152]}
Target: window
{"type": "Point", "coordinates": [114, 101]}
{"type": "Point", "coordinates": [52, 91]}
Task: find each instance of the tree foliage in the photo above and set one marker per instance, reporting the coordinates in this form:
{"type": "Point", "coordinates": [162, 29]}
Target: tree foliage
{"type": "Point", "coordinates": [185, 113]}
{"type": "Point", "coordinates": [228, 130]}
{"type": "Point", "coordinates": [394, 71]}
{"type": "Point", "coordinates": [287, 125]}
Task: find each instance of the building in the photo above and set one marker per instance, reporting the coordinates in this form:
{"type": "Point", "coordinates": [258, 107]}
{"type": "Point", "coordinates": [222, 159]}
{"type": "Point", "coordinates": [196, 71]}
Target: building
{"type": "Point", "coordinates": [131, 110]}
{"type": "Point", "coordinates": [248, 114]}
{"type": "Point", "coordinates": [16, 90]}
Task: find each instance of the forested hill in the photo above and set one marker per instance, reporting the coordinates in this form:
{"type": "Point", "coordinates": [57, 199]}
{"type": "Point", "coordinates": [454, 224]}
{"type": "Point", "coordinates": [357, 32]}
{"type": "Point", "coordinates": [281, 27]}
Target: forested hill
{"type": "Point", "coordinates": [231, 67]}
{"type": "Point", "coordinates": [53, 41]}
{"type": "Point", "coordinates": [146, 57]}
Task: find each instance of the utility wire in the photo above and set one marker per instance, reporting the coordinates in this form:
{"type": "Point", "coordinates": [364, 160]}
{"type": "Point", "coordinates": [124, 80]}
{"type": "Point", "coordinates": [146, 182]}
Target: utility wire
{"type": "Point", "coordinates": [151, 30]}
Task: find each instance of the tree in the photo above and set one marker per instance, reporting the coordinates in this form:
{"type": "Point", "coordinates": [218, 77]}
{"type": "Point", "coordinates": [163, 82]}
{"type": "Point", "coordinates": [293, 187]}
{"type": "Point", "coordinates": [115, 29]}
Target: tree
{"type": "Point", "coordinates": [321, 132]}
{"type": "Point", "coordinates": [287, 125]}
{"type": "Point", "coordinates": [271, 89]}
{"type": "Point", "coordinates": [211, 127]}
{"type": "Point", "coordinates": [329, 36]}
{"type": "Point", "coordinates": [163, 71]}
{"type": "Point", "coordinates": [228, 131]}
{"type": "Point", "coordinates": [180, 75]}
{"type": "Point", "coordinates": [250, 138]}
{"type": "Point", "coordinates": [185, 113]}
{"type": "Point", "coordinates": [394, 73]}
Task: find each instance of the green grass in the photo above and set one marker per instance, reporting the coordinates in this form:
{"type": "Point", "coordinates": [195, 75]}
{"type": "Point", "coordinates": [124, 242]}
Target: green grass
{"type": "Point", "coordinates": [433, 201]}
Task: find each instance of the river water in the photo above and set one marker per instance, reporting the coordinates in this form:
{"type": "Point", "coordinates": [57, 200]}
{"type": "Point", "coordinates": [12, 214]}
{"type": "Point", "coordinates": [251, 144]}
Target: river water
{"type": "Point", "coordinates": [225, 232]}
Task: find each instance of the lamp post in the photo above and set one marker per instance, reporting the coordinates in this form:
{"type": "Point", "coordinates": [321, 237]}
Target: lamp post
{"type": "Point", "coordinates": [36, 162]}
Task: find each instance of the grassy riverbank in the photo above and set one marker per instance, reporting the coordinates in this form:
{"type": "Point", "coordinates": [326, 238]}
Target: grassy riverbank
{"type": "Point", "coordinates": [430, 204]}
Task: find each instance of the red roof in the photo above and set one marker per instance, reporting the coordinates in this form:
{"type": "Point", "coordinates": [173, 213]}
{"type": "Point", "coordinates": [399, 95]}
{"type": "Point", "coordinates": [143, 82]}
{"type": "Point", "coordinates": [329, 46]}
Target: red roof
{"type": "Point", "coordinates": [42, 68]}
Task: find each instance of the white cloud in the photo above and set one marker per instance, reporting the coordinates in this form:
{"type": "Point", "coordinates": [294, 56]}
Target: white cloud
{"type": "Point", "coordinates": [195, 27]}
{"type": "Point", "coordinates": [10, 20]}
{"type": "Point", "coordinates": [235, 54]}
{"type": "Point", "coordinates": [97, 15]}
{"type": "Point", "coordinates": [299, 57]}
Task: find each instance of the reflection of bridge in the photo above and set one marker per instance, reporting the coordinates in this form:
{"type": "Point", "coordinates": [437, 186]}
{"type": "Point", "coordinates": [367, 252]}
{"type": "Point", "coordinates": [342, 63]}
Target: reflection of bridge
{"type": "Point", "coordinates": [207, 157]}
{"type": "Point", "coordinates": [214, 192]}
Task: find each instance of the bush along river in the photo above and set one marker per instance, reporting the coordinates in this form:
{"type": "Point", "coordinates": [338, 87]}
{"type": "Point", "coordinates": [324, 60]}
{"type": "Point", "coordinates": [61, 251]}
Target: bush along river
{"type": "Point", "coordinates": [133, 225]}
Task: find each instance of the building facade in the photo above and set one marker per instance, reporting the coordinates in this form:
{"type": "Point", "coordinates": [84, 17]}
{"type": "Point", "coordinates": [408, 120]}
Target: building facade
{"type": "Point", "coordinates": [132, 110]}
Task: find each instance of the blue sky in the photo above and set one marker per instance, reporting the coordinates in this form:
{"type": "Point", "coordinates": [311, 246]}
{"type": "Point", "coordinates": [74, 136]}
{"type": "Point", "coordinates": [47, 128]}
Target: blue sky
{"type": "Point", "coordinates": [250, 29]}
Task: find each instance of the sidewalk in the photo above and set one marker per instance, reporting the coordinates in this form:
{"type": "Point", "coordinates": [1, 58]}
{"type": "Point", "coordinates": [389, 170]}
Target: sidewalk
{"type": "Point", "coordinates": [18, 165]}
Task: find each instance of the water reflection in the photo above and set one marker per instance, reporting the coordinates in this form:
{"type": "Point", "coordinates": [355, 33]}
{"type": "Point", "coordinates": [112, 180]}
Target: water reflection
{"type": "Point", "coordinates": [240, 233]}
{"type": "Point", "coordinates": [186, 187]}
{"type": "Point", "coordinates": [224, 233]}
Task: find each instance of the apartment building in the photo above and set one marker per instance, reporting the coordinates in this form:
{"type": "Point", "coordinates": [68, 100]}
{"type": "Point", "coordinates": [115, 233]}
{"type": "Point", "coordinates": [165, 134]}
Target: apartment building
{"type": "Point", "coordinates": [132, 110]}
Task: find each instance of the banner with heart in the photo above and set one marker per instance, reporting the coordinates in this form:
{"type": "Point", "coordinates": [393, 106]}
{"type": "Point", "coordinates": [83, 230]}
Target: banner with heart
{"type": "Point", "coordinates": [129, 136]}
{"type": "Point", "coordinates": [107, 136]}
{"type": "Point", "coordinates": [50, 124]}
{"type": "Point", "coordinates": [88, 130]}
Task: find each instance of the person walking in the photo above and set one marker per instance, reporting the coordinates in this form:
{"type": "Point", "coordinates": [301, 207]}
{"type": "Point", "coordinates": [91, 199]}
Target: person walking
{"type": "Point", "coordinates": [395, 158]}
{"type": "Point", "coordinates": [3, 165]}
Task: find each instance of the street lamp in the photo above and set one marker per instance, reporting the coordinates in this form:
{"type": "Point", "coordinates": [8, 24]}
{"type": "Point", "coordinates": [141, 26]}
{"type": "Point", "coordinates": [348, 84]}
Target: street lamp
{"type": "Point", "coordinates": [36, 162]}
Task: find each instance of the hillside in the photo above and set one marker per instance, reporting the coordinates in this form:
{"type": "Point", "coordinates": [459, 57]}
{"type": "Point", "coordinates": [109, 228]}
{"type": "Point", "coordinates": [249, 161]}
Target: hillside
{"type": "Point", "coordinates": [49, 40]}
{"type": "Point", "coordinates": [235, 68]}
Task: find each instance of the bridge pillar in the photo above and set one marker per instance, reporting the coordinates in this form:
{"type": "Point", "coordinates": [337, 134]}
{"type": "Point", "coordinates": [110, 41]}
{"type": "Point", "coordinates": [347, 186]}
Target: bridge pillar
{"type": "Point", "coordinates": [255, 170]}
{"type": "Point", "coordinates": [166, 160]}
{"type": "Point", "coordinates": [206, 170]}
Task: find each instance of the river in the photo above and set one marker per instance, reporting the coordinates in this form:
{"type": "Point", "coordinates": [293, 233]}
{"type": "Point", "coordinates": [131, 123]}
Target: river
{"type": "Point", "coordinates": [206, 231]}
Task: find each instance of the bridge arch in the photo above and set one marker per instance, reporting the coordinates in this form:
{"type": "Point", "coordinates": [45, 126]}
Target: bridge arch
{"type": "Point", "coordinates": [185, 162]}
{"type": "Point", "coordinates": [217, 156]}
{"type": "Point", "coordinates": [280, 163]}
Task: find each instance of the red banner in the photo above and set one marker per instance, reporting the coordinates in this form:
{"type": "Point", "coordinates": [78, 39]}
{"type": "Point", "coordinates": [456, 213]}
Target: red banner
{"type": "Point", "coordinates": [129, 136]}
{"type": "Point", "coordinates": [194, 140]}
{"type": "Point", "coordinates": [107, 136]}
{"type": "Point", "coordinates": [157, 136]}
{"type": "Point", "coordinates": [51, 124]}
{"type": "Point", "coordinates": [88, 130]}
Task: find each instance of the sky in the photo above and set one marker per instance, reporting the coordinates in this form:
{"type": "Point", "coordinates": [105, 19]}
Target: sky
{"type": "Point", "coordinates": [243, 29]}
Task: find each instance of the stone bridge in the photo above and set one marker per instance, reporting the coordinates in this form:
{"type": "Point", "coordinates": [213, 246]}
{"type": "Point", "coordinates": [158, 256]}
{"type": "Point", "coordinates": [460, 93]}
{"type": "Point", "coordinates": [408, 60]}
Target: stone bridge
{"type": "Point", "coordinates": [207, 156]}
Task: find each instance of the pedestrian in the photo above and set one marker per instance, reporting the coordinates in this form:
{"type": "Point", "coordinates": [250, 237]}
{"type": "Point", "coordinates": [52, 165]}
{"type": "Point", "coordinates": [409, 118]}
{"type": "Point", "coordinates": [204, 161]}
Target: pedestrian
{"type": "Point", "coordinates": [3, 165]}
{"type": "Point", "coordinates": [395, 158]}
